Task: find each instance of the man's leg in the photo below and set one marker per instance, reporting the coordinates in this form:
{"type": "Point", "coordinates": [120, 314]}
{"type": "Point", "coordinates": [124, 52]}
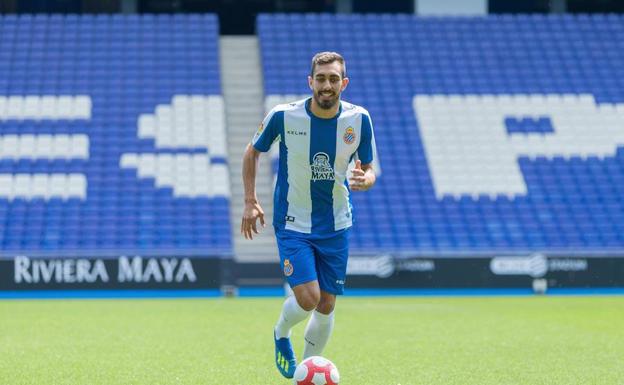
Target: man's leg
{"type": "Point", "coordinates": [297, 308]}
{"type": "Point", "coordinates": [320, 326]}
{"type": "Point", "coordinates": [298, 265]}
{"type": "Point", "coordinates": [332, 254]}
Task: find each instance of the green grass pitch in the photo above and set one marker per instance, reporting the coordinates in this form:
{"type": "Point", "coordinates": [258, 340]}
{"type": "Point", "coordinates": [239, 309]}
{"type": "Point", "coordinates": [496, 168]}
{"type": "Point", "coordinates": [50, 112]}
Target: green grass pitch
{"type": "Point", "coordinates": [376, 341]}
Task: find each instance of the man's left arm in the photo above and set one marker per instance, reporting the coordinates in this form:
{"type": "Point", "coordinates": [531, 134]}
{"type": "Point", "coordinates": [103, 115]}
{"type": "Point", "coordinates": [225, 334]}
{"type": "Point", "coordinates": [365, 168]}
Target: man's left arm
{"type": "Point", "coordinates": [363, 177]}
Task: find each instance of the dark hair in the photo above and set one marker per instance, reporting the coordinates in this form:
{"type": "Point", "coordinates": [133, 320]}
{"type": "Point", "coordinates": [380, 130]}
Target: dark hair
{"type": "Point", "coordinates": [327, 58]}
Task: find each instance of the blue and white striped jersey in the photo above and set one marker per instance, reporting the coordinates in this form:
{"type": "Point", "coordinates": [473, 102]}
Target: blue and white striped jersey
{"type": "Point", "coordinates": [312, 193]}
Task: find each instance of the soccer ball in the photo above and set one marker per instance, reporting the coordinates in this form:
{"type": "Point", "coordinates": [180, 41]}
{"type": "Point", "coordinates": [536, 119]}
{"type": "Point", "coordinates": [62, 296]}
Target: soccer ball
{"type": "Point", "coordinates": [316, 371]}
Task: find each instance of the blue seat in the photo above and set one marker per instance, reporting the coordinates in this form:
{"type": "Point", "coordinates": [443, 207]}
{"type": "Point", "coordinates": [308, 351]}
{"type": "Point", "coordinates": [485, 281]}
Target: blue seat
{"type": "Point", "coordinates": [561, 191]}
{"type": "Point", "coordinates": [126, 73]}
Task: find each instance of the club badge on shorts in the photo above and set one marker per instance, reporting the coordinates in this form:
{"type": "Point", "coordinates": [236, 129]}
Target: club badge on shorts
{"type": "Point", "coordinates": [349, 135]}
{"type": "Point", "coordinates": [288, 268]}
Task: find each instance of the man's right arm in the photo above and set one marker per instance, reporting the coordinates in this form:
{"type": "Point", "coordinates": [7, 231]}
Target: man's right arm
{"type": "Point", "coordinates": [265, 136]}
{"type": "Point", "coordinates": [253, 210]}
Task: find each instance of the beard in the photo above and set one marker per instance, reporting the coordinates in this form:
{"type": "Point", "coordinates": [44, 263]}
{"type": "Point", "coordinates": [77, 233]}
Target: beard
{"type": "Point", "coordinates": [327, 103]}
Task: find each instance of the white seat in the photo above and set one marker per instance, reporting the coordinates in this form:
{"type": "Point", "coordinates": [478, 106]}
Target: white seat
{"type": "Point", "coordinates": [218, 146]}
{"type": "Point", "coordinates": [40, 186]}
{"type": "Point", "coordinates": [216, 121]}
{"type": "Point", "coordinates": [200, 164]}
{"type": "Point", "coordinates": [202, 187]}
{"type": "Point", "coordinates": [9, 148]}
{"type": "Point", "coordinates": [147, 126]}
{"type": "Point", "coordinates": [15, 107]}
{"type": "Point", "coordinates": [79, 145]}
{"type": "Point", "coordinates": [181, 102]}
{"type": "Point", "coordinates": [77, 186]}
{"type": "Point", "coordinates": [165, 178]}
{"type": "Point", "coordinates": [183, 178]}
{"type": "Point", "coordinates": [216, 102]}
{"type": "Point", "coordinates": [82, 107]}
{"type": "Point", "coordinates": [216, 128]}
{"type": "Point", "coordinates": [129, 160]}
{"type": "Point", "coordinates": [198, 101]}
{"type": "Point", "coordinates": [183, 172]}
{"type": "Point", "coordinates": [22, 186]}
{"type": "Point", "coordinates": [163, 126]}
{"type": "Point", "coordinates": [31, 109]}
{"type": "Point", "coordinates": [163, 123]}
{"type": "Point", "coordinates": [64, 107]}
{"type": "Point", "coordinates": [183, 139]}
{"type": "Point", "coordinates": [220, 180]}
{"type": "Point", "coordinates": [199, 112]}
{"type": "Point", "coordinates": [164, 113]}
{"type": "Point", "coordinates": [6, 186]}
{"type": "Point", "coordinates": [183, 190]}
{"type": "Point", "coordinates": [165, 139]}
{"type": "Point", "coordinates": [201, 177]}
{"type": "Point", "coordinates": [181, 121]}
{"type": "Point", "coordinates": [147, 165]}
{"type": "Point", "coordinates": [57, 186]}
{"type": "Point", "coordinates": [61, 146]}
{"type": "Point", "coordinates": [48, 107]}
{"type": "Point", "coordinates": [165, 162]}
{"type": "Point", "coordinates": [43, 146]}
{"type": "Point", "coordinates": [183, 163]}
{"type": "Point", "coordinates": [27, 146]}
{"type": "Point", "coordinates": [199, 123]}
{"type": "Point", "coordinates": [200, 138]}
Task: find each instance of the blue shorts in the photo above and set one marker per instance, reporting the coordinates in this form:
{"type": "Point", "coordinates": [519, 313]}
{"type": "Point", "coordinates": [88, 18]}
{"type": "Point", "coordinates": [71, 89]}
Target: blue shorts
{"type": "Point", "coordinates": [314, 257]}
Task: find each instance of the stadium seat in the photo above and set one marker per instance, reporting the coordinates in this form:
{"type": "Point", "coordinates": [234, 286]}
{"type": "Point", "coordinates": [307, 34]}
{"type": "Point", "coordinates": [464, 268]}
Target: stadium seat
{"type": "Point", "coordinates": [95, 141]}
{"type": "Point", "coordinates": [475, 66]}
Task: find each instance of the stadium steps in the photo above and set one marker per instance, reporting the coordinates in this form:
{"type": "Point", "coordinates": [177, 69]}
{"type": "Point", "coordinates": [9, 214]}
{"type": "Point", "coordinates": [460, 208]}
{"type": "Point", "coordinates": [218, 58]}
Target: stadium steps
{"type": "Point", "coordinates": [242, 90]}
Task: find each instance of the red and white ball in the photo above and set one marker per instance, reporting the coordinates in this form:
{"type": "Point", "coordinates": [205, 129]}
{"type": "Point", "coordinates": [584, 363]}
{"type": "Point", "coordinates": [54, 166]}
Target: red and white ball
{"type": "Point", "coordinates": [316, 371]}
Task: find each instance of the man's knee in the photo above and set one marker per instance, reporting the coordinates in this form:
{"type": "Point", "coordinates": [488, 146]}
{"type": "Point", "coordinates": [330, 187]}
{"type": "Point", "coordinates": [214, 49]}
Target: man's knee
{"type": "Point", "coordinates": [308, 297]}
{"type": "Point", "coordinates": [326, 304]}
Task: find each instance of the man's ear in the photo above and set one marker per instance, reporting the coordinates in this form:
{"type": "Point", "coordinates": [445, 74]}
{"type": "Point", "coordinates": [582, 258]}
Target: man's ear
{"type": "Point", "coordinates": [310, 82]}
{"type": "Point", "coordinates": [345, 82]}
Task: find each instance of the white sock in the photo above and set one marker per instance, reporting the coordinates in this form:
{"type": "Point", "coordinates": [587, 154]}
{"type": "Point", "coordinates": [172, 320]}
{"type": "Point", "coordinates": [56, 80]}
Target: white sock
{"type": "Point", "coordinates": [291, 315]}
{"type": "Point", "coordinates": [317, 333]}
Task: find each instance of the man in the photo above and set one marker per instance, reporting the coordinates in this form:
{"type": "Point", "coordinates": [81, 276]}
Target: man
{"type": "Point", "coordinates": [318, 138]}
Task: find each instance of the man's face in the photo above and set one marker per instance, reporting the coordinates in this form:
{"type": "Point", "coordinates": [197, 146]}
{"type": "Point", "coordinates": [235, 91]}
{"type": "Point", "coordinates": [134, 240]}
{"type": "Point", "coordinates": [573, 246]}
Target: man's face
{"type": "Point", "coordinates": [327, 83]}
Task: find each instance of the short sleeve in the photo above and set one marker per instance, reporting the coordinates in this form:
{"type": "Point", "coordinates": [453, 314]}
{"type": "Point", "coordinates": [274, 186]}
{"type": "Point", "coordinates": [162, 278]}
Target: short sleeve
{"type": "Point", "coordinates": [366, 150]}
{"type": "Point", "coordinates": [268, 131]}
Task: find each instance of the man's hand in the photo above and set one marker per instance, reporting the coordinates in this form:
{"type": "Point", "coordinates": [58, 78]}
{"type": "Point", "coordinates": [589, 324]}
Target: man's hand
{"type": "Point", "coordinates": [361, 180]}
{"type": "Point", "coordinates": [252, 212]}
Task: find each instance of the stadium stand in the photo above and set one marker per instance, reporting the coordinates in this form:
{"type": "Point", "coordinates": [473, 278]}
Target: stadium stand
{"type": "Point", "coordinates": [112, 135]}
{"type": "Point", "coordinates": [498, 133]}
